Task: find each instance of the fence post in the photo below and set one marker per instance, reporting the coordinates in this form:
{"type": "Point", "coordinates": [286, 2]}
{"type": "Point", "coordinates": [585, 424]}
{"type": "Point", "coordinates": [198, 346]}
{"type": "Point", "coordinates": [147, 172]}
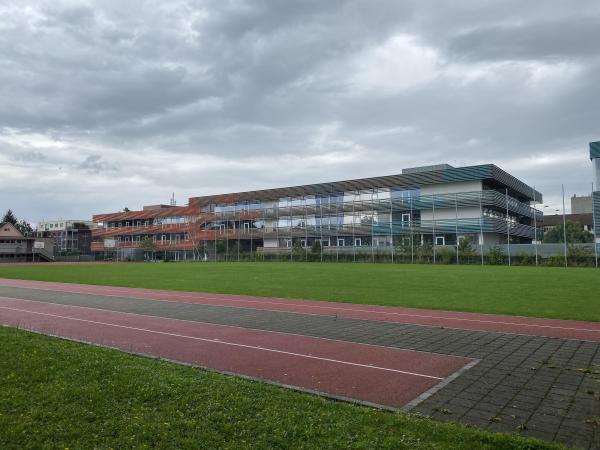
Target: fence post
{"type": "Point", "coordinates": [564, 225]}
{"type": "Point", "coordinates": [508, 228]}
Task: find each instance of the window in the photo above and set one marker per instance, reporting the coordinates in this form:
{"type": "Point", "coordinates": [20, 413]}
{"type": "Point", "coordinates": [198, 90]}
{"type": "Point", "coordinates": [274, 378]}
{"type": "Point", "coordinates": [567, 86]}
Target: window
{"type": "Point", "coordinates": [325, 242]}
{"type": "Point", "coordinates": [405, 219]}
{"type": "Point", "coordinates": [304, 243]}
{"type": "Point", "coordinates": [246, 227]}
{"type": "Point", "coordinates": [288, 243]}
{"type": "Point", "coordinates": [341, 242]}
{"type": "Point", "coordinates": [440, 240]}
{"type": "Point", "coordinates": [357, 242]}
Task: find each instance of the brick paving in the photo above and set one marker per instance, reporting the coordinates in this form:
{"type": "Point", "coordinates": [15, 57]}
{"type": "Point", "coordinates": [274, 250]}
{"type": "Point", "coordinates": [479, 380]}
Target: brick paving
{"type": "Point", "coordinates": [540, 387]}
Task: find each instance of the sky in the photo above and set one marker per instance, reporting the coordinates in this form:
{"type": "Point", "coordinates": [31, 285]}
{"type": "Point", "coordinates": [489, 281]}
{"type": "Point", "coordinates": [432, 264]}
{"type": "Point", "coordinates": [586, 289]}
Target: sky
{"type": "Point", "coordinates": [110, 104]}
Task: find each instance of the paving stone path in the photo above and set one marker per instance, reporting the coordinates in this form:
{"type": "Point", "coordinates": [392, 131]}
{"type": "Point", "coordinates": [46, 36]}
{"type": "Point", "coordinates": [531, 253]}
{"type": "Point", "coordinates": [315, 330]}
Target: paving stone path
{"type": "Point", "coordinates": [541, 387]}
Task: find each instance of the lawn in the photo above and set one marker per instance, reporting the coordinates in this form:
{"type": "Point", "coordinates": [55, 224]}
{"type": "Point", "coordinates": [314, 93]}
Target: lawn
{"type": "Point", "coordinates": [61, 394]}
{"type": "Point", "coordinates": [527, 291]}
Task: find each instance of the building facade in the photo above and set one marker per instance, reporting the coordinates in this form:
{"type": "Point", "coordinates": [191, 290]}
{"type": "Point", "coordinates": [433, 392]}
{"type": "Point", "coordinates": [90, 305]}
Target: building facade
{"type": "Point", "coordinates": [581, 204]}
{"type": "Point", "coordinates": [595, 157]}
{"type": "Point", "coordinates": [555, 220]}
{"type": "Point", "coordinates": [14, 247]}
{"type": "Point", "coordinates": [70, 236]}
{"type": "Point", "coordinates": [432, 206]}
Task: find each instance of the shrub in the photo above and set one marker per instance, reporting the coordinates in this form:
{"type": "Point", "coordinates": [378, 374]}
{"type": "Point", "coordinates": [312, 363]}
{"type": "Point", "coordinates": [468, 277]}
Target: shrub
{"type": "Point", "coordinates": [496, 256]}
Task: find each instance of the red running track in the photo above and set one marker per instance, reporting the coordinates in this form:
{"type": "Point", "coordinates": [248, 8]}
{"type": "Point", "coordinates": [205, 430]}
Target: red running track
{"type": "Point", "coordinates": [370, 374]}
{"type": "Point", "coordinates": [564, 329]}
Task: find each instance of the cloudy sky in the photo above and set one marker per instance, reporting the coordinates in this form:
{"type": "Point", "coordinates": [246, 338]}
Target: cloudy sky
{"type": "Point", "coordinates": [114, 103]}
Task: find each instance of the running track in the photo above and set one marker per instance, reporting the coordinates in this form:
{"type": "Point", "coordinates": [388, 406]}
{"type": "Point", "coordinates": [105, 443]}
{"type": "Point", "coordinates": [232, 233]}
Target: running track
{"type": "Point", "coordinates": [563, 329]}
{"type": "Point", "coordinates": [373, 375]}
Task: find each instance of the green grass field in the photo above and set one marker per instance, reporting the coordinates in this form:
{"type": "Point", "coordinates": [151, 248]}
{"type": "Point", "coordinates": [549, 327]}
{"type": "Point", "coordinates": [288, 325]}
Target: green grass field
{"type": "Point", "coordinates": [528, 291]}
{"type": "Point", "coordinates": [61, 394]}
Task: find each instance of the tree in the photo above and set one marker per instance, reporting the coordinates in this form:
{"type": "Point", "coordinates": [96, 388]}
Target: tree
{"type": "Point", "coordinates": [23, 226]}
{"type": "Point", "coordinates": [315, 250]}
{"type": "Point", "coordinates": [465, 248]}
{"type": "Point", "coordinates": [148, 245]}
{"type": "Point", "coordinates": [126, 209]}
{"type": "Point", "coordinates": [575, 234]}
{"type": "Point", "coordinates": [9, 217]}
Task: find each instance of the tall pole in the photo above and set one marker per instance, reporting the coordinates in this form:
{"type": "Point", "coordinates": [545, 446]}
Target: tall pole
{"type": "Point", "coordinates": [305, 228]}
{"type": "Point", "coordinates": [321, 223]}
{"type": "Point", "coordinates": [276, 211]}
{"type": "Point", "coordinates": [372, 226]}
{"type": "Point", "coordinates": [412, 235]}
{"type": "Point", "coordinates": [595, 225]}
{"type": "Point", "coordinates": [237, 219]}
{"type": "Point", "coordinates": [564, 225]}
{"type": "Point", "coordinates": [535, 242]}
{"type": "Point", "coordinates": [391, 225]}
{"type": "Point", "coordinates": [215, 231]}
{"type": "Point", "coordinates": [481, 226]}
{"type": "Point", "coordinates": [337, 225]}
{"type": "Point", "coordinates": [433, 229]}
{"type": "Point", "coordinates": [291, 230]}
{"type": "Point", "coordinates": [508, 228]}
{"type": "Point", "coordinates": [353, 235]}
{"type": "Point", "coordinates": [456, 225]}
{"type": "Point", "coordinates": [251, 233]}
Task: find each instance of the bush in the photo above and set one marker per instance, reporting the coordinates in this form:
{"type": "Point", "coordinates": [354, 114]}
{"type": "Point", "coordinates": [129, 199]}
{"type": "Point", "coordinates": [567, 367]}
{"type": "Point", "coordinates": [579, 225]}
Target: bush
{"type": "Point", "coordinates": [496, 256]}
{"type": "Point", "coordinates": [445, 256]}
{"type": "Point", "coordinates": [581, 256]}
{"type": "Point", "coordinates": [424, 253]}
{"type": "Point", "coordinates": [524, 259]}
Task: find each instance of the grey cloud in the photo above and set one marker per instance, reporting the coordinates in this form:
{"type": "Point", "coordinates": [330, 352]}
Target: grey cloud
{"type": "Point", "coordinates": [95, 164]}
{"type": "Point", "coordinates": [201, 96]}
{"type": "Point", "coordinates": [565, 38]}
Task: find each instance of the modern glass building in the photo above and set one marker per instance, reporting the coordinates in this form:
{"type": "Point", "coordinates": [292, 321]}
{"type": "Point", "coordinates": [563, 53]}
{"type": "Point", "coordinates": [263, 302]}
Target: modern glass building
{"type": "Point", "coordinates": [431, 208]}
{"type": "Point", "coordinates": [595, 157]}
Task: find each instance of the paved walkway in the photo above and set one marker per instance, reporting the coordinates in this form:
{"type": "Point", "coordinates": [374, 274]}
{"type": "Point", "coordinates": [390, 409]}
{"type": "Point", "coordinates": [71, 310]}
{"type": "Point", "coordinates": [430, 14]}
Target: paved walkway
{"type": "Point", "coordinates": [538, 386]}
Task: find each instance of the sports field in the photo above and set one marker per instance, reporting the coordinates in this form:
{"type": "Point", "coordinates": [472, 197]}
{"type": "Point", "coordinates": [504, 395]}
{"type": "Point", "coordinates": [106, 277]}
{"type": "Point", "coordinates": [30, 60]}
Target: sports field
{"type": "Point", "coordinates": [556, 293]}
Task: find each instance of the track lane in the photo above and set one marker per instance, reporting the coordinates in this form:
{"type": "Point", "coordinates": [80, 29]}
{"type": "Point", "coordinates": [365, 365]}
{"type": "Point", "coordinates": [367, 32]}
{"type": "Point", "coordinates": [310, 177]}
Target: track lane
{"type": "Point", "coordinates": [370, 374]}
{"type": "Point", "coordinates": [565, 329]}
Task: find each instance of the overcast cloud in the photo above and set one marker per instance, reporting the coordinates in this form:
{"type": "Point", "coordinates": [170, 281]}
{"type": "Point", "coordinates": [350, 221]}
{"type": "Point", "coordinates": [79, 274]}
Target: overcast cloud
{"type": "Point", "coordinates": [107, 104]}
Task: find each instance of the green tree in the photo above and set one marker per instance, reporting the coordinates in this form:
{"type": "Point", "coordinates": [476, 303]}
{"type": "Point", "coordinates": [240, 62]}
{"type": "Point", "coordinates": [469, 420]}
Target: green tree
{"type": "Point", "coordinates": [575, 234]}
{"type": "Point", "coordinates": [25, 228]}
{"type": "Point", "coordinates": [148, 245]}
{"type": "Point", "coordinates": [315, 250]}
{"type": "Point", "coordinates": [9, 217]}
{"type": "Point", "coordinates": [496, 256]}
{"type": "Point", "coordinates": [298, 251]}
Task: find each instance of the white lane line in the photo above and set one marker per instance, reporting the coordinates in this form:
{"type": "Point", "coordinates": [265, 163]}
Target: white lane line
{"type": "Point", "coordinates": [217, 341]}
{"type": "Point", "coordinates": [334, 308]}
{"type": "Point", "coordinates": [219, 325]}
